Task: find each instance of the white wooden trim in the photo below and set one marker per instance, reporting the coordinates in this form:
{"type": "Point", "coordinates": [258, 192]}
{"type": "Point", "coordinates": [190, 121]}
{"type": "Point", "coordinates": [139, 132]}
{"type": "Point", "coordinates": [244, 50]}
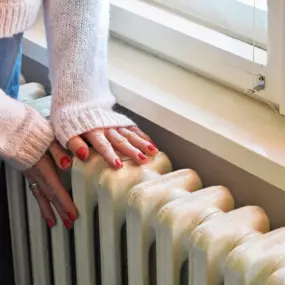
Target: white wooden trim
{"type": "Point", "coordinates": [275, 71]}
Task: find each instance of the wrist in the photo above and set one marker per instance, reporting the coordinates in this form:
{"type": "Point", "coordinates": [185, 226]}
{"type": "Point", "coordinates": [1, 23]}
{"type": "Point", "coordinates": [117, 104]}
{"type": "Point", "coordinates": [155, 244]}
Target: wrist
{"type": "Point", "coordinates": [31, 141]}
{"type": "Point", "coordinates": [76, 122]}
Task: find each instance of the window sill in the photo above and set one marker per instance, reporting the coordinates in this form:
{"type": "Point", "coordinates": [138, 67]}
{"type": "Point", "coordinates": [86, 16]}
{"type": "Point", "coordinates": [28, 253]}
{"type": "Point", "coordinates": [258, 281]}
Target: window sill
{"type": "Point", "coordinates": [232, 126]}
{"type": "Point", "coordinates": [193, 46]}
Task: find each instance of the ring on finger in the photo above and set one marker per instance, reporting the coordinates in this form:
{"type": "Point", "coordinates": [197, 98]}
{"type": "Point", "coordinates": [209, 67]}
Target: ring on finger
{"type": "Point", "coordinates": [34, 187]}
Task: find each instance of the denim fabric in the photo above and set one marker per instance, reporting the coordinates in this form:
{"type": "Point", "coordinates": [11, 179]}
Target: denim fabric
{"type": "Point", "coordinates": [10, 64]}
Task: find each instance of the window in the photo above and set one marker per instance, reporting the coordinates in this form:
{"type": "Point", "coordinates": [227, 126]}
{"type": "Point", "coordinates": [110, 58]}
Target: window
{"type": "Point", "coordinates": [238, 43]}
{"type": "Point", "coordinates": [242, 19]}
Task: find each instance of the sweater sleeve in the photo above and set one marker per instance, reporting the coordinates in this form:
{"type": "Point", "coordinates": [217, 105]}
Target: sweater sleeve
{"type": "Point", "coordinates": [77, 37]}
{"type": "Point", "coordinates": [24, 134]}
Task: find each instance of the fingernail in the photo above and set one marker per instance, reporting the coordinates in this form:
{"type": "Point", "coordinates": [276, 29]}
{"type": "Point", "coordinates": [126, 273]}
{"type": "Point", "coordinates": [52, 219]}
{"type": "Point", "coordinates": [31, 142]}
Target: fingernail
{"type": "Point", "coordinates": [119, 163]}
{"type": "Point", "coordinates": [50, 223]}
{"type": "Point", "coordinates": [71, 217]}
{"type": "Point", "coordinates": [81, 153]}
{"type": "Point", "coordinates": [153, 144]}
{"type": "Point", "coordinates": [67, 223]}
{"type": "Point", "coordinates": [65, 161]}
{"type": "Point", "coordinates": [152, 148]}
{"type": "Point", "coordinates": [142, 156]}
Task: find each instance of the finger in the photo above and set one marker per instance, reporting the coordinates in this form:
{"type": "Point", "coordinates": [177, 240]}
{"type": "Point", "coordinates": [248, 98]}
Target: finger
{"type": "Point", "coordinates": [100, 143]}
{"type": "Point", "coordinates": [140, 133]}
{"type": "Point", "coordinates": [50, 184]}
{"type": "Point", "coordinates": [44, 205]}
{"type": "Point", "coordinates": [60, 156]}
{"type": "Point", "coordinates": [46, 209]}
{"type": "Point", "coordinates": [63, 215]}
{"type": "Point", "coordinates": [123, 145]}
{"type": "Point", "coordinates": [138, 142]}
{"type": "Point", "coordinates": [79, 148]}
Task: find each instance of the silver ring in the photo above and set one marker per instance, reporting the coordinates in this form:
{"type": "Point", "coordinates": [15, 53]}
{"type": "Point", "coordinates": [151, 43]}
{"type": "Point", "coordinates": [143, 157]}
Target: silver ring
{"type": "Point", "coordinates": [33, 186]}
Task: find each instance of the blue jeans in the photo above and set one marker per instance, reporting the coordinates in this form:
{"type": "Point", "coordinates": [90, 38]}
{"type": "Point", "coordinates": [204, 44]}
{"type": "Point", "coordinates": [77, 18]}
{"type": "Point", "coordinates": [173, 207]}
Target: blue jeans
{"type": "Point", "coordinates": [10, 64]}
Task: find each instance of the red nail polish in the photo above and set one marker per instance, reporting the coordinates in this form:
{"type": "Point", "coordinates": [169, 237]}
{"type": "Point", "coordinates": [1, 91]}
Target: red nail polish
{"type": "Point", "coordinates": [67, 223]}
{"type": "Point", "coordinates": [142, 156]}
{"type": "Point", "coordinates": [50, 223]}
{"type": "Point", "coordinates": [65, 161]}
{"type": "Point", "coordinates": [119, 163]}
{"type": "Point", "coordinates": [72, 217]}
{"type": "Point", "coordinates": [81, 153]}
{"type": "Point", "coordinates": [153, 144]}
{"type": "Point", "coordinates": [152, 148]}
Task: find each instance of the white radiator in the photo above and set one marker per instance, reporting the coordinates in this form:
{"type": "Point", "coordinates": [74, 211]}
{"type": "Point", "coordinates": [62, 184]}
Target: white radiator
{"type": "Point", "coordinates": [143, 225]}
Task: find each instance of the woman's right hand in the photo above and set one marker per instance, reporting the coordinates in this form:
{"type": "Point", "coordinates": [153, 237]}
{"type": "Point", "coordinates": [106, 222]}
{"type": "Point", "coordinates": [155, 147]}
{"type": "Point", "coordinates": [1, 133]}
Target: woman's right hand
{"type": "Point", "coordinates": [48, 189]}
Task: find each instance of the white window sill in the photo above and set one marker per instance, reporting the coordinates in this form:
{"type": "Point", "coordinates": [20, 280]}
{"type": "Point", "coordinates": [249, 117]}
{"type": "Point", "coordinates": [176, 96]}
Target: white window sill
{"type": "Point", "coordinates": [232, 126]}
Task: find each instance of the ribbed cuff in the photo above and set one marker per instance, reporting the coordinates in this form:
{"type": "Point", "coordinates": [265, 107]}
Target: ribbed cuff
{"type": "Point", "coordinates": [67, 126]}
{"type": "Point", "coordinates": [36, 135]}
{"type": "Point", "coordinates": [18, 17]}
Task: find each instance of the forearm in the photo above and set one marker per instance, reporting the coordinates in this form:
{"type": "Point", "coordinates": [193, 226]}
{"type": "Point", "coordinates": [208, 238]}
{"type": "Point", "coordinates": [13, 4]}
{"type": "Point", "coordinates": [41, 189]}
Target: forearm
{"type": "Point", "coordinates": [77, 36]}
{"type": "Point", "coordinates": [24, 134]}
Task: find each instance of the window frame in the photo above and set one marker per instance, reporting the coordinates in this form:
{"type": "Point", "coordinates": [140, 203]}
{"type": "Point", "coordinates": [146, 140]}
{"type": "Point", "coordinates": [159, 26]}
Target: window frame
{"type": "Point", "coordinates": [218, 57]}
{"type": "Point", "coordinates": [275, 70]}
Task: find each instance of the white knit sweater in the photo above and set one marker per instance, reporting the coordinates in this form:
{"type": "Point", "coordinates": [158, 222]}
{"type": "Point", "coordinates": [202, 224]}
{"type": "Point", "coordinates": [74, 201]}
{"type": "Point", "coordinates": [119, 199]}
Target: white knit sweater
{"type": "Point", "coordinates": [77, 36]}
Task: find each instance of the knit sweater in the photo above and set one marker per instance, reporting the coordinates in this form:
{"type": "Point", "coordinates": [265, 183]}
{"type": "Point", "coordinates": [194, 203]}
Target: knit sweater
{"type": "Point", "coordinates": [77, 36]}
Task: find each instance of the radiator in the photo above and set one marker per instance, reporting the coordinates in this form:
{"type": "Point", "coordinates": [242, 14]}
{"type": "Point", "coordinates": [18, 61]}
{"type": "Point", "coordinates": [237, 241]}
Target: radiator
{"type": "Point", "coordinates": [142, 225]}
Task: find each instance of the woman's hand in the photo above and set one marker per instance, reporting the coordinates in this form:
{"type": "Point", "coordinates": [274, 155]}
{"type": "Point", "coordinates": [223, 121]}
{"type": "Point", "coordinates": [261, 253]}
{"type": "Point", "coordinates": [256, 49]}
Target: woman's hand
{"type": "Point", "coordinates": [131, 142]}
{"type": "Point", "coordinates": [48, 189]}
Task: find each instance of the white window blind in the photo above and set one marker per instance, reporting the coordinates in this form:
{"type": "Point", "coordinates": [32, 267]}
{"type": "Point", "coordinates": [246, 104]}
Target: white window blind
{"type": "Point", "coordinates": [242, 19]}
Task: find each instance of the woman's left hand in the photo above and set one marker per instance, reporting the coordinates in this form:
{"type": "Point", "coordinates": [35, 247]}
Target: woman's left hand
{"type": "Point", "coordinates": [131, 142]}
{"type": "Point", "coordinates": [49, 190]}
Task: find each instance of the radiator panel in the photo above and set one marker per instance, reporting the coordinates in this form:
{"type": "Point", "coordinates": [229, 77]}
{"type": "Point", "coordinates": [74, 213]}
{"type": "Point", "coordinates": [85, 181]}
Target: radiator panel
{"type": "Point", "coordinates": [145, 200]}
{"type": "Point", "coordinates": [211, 242]}
{"type": "Point", "coordinates": [277, 277]}
{"type": "Point", "coordinates": [253, 262]}
{"type": "Point", "coordinates": [161, 210]}
{"type": "Point", "coordinates": [18, 226]}
{"type": "Point", "coordinates": [85, 193]}
{"type": "Point", "coordinates": [177, 220]}
{"type": "Point", "coordinates": [38, 242]}
{"type": "Point", "coordinates": [61, 254]}
{"type": "Point", "coordinates": [110, 187]}
{"type": "Point", "coordinates": [112, 210]}
{"type": "Point", "coordinates": [36, 231]}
